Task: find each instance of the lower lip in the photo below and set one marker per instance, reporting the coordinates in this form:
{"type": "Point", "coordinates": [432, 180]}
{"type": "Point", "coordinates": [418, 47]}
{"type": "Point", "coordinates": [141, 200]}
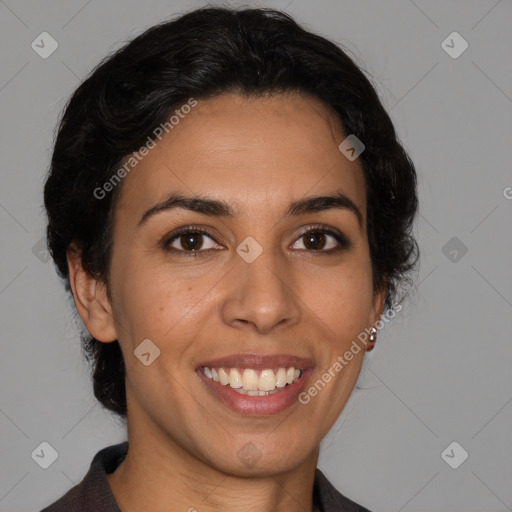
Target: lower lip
{"type": "Point", "coordinates": [257, 405]}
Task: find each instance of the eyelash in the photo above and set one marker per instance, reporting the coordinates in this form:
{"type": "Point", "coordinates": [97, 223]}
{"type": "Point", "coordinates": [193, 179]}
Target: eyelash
{"type": "Point", "coordinates": [317, 228]}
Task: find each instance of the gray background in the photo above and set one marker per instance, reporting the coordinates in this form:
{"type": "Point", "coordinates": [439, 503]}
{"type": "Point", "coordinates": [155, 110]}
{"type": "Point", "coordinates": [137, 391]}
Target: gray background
{"type": "Point", "coordinates": [441, 370]}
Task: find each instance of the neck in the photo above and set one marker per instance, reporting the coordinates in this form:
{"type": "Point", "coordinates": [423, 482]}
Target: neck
{"type": "Point", "coordinates": [157, 474]}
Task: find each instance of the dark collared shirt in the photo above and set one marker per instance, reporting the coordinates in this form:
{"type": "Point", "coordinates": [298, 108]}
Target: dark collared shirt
{"type": "Point", "coordinates": [93, 493]}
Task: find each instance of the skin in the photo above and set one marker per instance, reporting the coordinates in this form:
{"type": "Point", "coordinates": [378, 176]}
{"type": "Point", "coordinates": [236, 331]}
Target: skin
{"type": "Point", "coordinates": [258, 155]}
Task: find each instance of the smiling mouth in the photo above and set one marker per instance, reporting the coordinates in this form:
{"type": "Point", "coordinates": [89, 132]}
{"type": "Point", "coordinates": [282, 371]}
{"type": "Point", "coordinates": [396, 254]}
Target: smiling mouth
{"type": "Point", "coordinates": [252, 382]}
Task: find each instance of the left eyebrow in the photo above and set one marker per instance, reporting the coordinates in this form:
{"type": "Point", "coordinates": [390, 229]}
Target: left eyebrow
{"type": "Point", "coordinates": [321, 203]}
{"type": "Point", "coordinates": [217, 208]}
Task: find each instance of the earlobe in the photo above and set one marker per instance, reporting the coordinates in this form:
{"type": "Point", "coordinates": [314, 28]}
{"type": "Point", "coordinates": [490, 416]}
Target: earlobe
{"type": "Point", "coordinates": [379, 299]}
{"type": "Point", "coordinates": [91, 300]}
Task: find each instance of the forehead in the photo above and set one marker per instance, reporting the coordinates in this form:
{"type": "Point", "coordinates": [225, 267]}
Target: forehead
{"type": "Point", "coordinates": [256, 153]}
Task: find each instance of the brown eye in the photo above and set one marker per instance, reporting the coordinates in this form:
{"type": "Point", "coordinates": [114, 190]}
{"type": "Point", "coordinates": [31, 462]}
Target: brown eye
{"type": "Point", "coordinates": [321, 240]}
{"type": "Point", "coordinates": [191, 241]}
{"type": "Point", "coordinates": [315, 240]}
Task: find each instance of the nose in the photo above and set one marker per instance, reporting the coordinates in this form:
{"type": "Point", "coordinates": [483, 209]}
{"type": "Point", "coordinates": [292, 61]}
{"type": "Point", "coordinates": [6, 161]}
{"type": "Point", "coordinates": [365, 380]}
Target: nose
{"type": "Point", "coordinates": [263, 295]}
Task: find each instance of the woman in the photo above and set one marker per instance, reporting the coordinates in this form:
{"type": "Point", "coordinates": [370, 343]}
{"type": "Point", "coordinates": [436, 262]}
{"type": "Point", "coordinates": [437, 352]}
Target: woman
{"type": "Point", "coordinates": [231, 209]}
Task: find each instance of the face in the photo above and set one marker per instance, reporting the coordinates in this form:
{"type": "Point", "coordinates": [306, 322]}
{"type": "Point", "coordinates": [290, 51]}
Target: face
{"type": "Point", "coordinates": [262, 280]}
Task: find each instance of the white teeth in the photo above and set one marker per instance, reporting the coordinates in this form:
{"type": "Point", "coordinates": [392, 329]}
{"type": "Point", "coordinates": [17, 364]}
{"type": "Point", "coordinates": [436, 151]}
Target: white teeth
{"type": "Point", "coordinates": [251, 382]}
{"type": "Point", "coordinates": [235, 379]}
{"type": "Point", "coordinates": [267, 380]}
{"type": "Point", "coordinates": [223, 377]}
{"type": "Point", "coordinates": [255, 393]}
{"type": "Point", "coordinates": [281, 378]}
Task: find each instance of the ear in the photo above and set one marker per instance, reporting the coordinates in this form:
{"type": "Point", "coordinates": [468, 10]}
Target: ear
{"type": "Point", "coordinates": [91, 298]}
{"type": "Point", "coordinates": [379, 298]}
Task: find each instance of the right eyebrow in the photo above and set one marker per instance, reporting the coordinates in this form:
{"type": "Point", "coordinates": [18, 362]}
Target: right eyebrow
{"type": "Point", "coordinates": [198, 204]}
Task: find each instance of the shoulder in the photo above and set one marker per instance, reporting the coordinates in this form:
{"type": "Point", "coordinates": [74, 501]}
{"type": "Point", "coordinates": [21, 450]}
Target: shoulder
{"type": "Point", "coordinates": [330, 499]}
{"type": "Point", "coordinates": [93, 492]}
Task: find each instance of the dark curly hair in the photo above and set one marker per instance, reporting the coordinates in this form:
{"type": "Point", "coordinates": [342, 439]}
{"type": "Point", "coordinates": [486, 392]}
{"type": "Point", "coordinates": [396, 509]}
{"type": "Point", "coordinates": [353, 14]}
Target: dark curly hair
{"type": "Point", "coordinates": [201, 54]}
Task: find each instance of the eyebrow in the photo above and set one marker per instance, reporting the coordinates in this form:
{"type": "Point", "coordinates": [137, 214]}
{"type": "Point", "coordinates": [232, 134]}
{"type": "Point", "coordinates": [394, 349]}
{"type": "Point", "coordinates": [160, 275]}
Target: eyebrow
{"type": "Point", "coordinates": [218, 208]}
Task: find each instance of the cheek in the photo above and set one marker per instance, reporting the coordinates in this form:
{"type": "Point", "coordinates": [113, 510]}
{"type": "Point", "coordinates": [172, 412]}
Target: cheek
{"type": "Point", "coordinates": [154, 300]}
{"type": "Point", "coordinates": [340, 298]}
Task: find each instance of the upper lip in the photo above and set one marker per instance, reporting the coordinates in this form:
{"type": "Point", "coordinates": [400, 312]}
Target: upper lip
{"type": "Point", "coordinates": [258, 361]}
